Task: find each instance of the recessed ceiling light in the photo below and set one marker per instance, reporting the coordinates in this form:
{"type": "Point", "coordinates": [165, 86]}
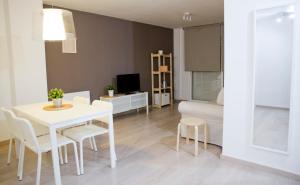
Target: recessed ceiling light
{"type": "Point", "coordinates": [279, 19]}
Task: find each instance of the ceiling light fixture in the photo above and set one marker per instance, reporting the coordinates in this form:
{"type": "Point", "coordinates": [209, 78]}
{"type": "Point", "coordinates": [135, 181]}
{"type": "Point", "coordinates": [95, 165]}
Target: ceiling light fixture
{"type": "Point", "coordinates": [187, 16]}
{"type": "Point", "coordinates": [58, 24]}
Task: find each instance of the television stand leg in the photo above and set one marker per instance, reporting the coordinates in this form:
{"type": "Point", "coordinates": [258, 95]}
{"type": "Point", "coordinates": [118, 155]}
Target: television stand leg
{"type": "Point", "coordinates": [147, 109]}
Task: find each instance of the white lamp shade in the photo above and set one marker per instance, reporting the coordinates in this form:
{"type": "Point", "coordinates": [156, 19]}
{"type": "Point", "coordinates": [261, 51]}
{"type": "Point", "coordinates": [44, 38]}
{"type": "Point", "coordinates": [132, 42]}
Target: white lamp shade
{"type": "Point", "coordinates": [53, 24]}
{"type": "Point", "coordinates": [69, 24]}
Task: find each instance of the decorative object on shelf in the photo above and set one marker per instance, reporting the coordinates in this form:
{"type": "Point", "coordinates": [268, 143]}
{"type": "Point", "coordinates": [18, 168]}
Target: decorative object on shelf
{"type": "Point", "coordinates": [58, 24]}
{"type": "Point", "coordinates": [110, 89]}
{"type": "Point", "coordinates": [160, 52]}
{"type": "Point", "coordinates": [164, 84]}
{"type": "Point", "coordinates": [161, 66]}
{"type": "Point", "coordinates": [56, 96]}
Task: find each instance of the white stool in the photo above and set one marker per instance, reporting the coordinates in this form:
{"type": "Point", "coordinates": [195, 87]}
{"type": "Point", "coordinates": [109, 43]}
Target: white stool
{"type": "Point", "coordinates": [195, 122]}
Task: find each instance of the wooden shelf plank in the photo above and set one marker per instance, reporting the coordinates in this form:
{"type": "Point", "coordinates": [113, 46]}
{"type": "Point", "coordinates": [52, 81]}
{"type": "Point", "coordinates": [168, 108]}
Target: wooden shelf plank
{"type": "Point", "coordinates": [157, 89]}
{"type": "Point", "coordinates": [157, 72]}
{"type": "Point", "coordinates": [163, 55]}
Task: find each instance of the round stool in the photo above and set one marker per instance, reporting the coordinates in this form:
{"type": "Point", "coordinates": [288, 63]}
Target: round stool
{"type": "Point", "coordinates": [195, 122]}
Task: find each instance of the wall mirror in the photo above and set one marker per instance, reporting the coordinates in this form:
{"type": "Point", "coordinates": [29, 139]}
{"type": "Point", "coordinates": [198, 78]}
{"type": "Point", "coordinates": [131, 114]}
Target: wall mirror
{"type": "Point", "coordinates": [273, 50]}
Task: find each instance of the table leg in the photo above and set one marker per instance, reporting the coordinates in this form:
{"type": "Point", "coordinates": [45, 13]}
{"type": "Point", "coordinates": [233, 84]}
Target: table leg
{"type": "Point", "coordinates": [113, 156]}
{"type": "Point", "coordinates": [55, 159]}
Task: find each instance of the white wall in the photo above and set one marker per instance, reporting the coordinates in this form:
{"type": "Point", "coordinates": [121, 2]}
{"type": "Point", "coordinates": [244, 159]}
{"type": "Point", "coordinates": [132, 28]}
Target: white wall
{"type": "Point", "coordinates": [273, 62]}
{"type": "Point", "coordinates": [238, 88]}
{"type": "Point", "coordinates": [182, 78]}
{"type": "Point", "coordinates": [22, 53]}
{"type": "Point", "coordinates": [5, 70]}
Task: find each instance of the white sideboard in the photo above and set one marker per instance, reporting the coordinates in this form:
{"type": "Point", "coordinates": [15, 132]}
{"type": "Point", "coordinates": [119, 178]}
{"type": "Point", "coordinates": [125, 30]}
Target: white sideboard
{"type": "Point", "coordinates": [123, 103]}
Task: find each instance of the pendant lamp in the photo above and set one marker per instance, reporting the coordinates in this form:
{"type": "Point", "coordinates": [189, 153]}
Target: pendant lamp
{"type": "Point", "coordinates": [58, 24]}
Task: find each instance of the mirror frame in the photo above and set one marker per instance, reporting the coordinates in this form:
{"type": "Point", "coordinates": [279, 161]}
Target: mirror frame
{"type": "Point", "coordinates": [293, 81]}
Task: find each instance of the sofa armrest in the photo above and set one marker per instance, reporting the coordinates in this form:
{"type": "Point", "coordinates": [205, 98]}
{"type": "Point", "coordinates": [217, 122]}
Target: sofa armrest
{"type": "Point", "coordinates": [200, 108]}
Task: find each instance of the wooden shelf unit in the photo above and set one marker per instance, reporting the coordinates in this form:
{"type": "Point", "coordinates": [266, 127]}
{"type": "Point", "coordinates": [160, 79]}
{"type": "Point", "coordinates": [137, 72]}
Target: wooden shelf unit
{"type": "Point", "coordinates": [157, 77]}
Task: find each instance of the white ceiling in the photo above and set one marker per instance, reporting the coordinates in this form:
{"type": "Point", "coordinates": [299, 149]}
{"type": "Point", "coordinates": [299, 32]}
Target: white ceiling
{"type": "Point", "coordinates": [166, 13]}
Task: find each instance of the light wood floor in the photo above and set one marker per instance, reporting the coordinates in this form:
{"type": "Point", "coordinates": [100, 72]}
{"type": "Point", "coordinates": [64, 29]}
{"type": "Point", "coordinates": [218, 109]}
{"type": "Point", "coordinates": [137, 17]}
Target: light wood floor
{"type": "Point", "coordinates": [146, 156]}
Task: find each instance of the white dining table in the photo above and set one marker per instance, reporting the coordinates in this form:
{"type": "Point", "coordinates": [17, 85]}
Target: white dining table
{"type": "Point", "coordinates": [66, 118]}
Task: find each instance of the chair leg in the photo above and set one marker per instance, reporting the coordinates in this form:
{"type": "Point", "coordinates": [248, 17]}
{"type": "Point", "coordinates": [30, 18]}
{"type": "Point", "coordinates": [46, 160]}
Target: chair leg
{"type": "Point", "coordinates": [94, 143]}
{"type": "Point", "coordinates": [196, 140]}
{"type": "Point", "coordinates": [91, 143]}
{"type": "Point", "coordinates": [39, 168]}
{"type": "Point", "coordinates": [9, 151]}
{"type": "Point", "coordinates": [60, 156]}
{"type": "Point", "coordinates": [17, 147]}
{"type": "Point", "coordinates": [205, 136]}
{"type": "Point", "coordinates": [76, 158]}
{"type": "Point", "coordinates": [178, 136]}
{"type": "Point", "coordinates": [81, 157]}
{"type": "Point", "coordinates": [187, 134]}
{"type": "Point", "coordinates": [66, 153]}
{"type": "Point", "coordinates": [90, 139]}
{"type": "Point", "coordinates": [21, 161]}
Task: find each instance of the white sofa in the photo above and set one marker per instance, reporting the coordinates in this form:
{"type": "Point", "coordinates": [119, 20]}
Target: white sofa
{"type": "Point", "coordinates": [211, 112]}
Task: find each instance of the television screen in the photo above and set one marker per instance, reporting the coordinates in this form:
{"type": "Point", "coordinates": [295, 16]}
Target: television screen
{"type": "Point", "coordinates": [128, 83]}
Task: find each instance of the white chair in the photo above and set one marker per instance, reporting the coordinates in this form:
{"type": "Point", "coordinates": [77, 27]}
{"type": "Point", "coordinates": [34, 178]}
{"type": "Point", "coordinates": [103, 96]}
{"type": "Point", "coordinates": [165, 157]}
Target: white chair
{"type": "Point", "coordinates": [39, 130]}
{"type": "Point", "coordinates": [83, 100]}
{"type": "Point", "coordinates": [14, 134]}
{"type": "Point", "coordinates": [39, 145]}
{"type": "Point", "coordinates": [81, 133]}
{"type": "Point", "coordinates": [102, 105]}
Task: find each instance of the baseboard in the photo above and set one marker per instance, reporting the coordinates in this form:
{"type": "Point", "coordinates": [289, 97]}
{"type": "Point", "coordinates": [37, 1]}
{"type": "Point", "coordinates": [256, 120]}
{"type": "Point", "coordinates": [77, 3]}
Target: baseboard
{"type": "Point", "coordinates": [262, 167]}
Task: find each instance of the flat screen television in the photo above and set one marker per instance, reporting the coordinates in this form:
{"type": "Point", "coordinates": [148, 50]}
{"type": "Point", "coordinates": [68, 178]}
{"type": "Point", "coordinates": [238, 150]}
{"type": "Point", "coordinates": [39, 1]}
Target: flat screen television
{"type": "Point", "coordinates": [128, 83]}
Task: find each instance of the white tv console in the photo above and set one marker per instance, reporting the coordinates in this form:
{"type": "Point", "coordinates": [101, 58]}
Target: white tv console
{"type": "Point", "coordinates": [123, 103]}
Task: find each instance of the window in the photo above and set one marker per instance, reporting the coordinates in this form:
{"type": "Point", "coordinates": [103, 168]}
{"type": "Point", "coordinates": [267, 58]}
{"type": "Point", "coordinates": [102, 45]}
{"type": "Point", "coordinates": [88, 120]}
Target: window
{"type": "Point", "coordinates": [206, 85]}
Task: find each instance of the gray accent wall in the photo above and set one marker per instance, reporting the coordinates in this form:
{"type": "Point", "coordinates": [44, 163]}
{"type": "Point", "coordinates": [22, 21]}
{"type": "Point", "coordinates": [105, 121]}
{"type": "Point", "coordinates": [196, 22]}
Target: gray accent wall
{"type": "Point", "coordinates": [106, 47]}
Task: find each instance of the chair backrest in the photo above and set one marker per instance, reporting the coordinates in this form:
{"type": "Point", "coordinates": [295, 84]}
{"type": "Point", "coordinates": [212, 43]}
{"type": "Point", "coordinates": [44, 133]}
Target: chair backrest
{"type": "Point", "coordinates": [9, 116]}
{"type": "Point", "coordinates": [103, 105]}
{"type": "Point", "coordinates": [70, 96]}
{"type": "Point", "coordinates": [80, 99]}
{"type": "Point", "coordinates": [28, 132]}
